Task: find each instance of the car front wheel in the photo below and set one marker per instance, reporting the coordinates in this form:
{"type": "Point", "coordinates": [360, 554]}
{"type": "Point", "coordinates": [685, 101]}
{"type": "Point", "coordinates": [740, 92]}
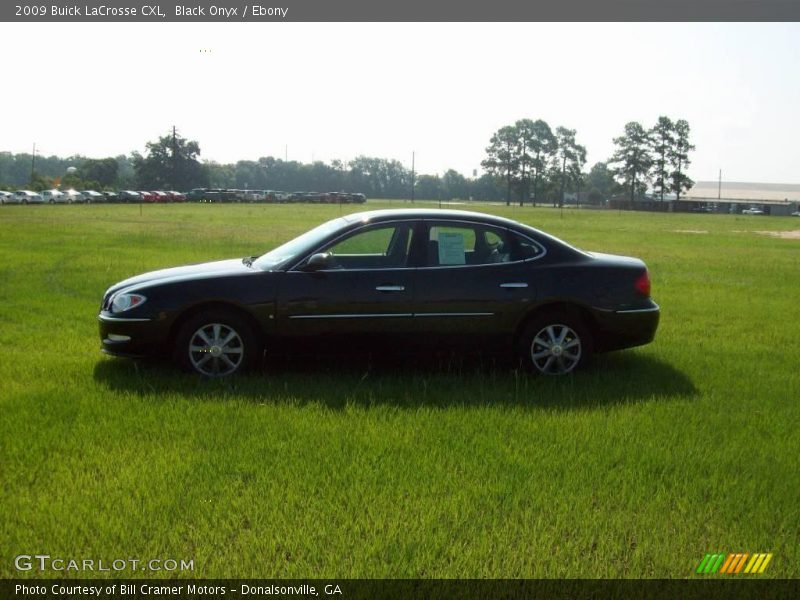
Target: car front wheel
{"type": "Point", "coordinates": [555, 344]}
{"type": "Point", "coordinates": [217, 344]}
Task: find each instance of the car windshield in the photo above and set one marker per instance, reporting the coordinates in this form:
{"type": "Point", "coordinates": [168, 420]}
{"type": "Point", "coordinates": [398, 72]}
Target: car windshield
{"type": "Point", "coordinates": [294, 248]}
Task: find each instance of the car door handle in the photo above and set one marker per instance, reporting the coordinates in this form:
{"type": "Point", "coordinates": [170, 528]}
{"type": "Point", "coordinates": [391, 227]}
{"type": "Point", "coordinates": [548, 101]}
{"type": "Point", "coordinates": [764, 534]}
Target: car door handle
{"type": "Point", "coordinates": [391, 288]}
{"type": "Point", "coordinates": [514, 285]}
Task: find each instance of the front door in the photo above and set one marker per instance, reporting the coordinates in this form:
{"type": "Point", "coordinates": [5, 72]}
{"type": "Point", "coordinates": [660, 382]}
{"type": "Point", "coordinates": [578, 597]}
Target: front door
{"type": "Point", "coordinates": [359, 300]}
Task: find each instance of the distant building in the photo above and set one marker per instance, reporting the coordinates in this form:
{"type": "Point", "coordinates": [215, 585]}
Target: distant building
{"type": "Point", "coordinates": [706, 205]}
{"type": "Point", "coordinates": [736, 190]}
{"type": "Point", "coordinates": [777, 208]}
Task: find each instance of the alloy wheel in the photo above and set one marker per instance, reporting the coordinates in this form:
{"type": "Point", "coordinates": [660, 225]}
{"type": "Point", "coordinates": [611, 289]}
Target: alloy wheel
{"type": "Point", "coordinates": [216, 350]}
{"type": "Point", "coordinates": [556, 350]}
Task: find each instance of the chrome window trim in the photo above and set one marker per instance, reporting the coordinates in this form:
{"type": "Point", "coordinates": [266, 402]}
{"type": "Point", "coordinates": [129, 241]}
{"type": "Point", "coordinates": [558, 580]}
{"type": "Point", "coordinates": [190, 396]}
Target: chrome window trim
{"type": "Point", "coordinates": [510, 231]}
{"type": "Point", "coordinates": [542, 254]}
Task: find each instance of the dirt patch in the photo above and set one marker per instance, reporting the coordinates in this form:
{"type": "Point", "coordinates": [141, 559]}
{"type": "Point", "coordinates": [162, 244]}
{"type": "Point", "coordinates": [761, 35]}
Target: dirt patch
{"type": "Point", "coordinates": [784, 235]}
{"type": "Point", "coordinates": [690, 231]}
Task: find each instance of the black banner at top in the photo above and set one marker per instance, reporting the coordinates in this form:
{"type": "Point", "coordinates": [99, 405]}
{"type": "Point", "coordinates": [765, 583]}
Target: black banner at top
{"type": "Point", "coordinates": [402, 10]}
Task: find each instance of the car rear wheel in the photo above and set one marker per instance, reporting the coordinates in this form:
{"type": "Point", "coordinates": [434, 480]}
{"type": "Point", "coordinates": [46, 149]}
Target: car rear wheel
{"type": "Point", "coordinates": [217, 343]}
{"type": "Point", "coordinates": [555, 344]}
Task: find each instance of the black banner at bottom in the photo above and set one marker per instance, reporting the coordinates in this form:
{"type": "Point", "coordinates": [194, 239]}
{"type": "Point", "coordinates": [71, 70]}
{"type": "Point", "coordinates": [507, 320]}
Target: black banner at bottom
{"type": "Point", "coordinates": [406, 589]}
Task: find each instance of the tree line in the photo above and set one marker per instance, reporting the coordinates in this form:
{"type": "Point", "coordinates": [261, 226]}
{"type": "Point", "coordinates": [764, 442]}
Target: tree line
{"type": "Point", "coordinates": [537, 163]}
{"type": "Point", "coordinates": [527, 161]}
{"type": "Point", "coordinates": [658, 156]}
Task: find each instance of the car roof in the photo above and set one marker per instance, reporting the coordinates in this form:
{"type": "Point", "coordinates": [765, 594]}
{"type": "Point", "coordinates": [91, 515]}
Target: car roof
{"type": "Point", "coordinates": [427, 213]}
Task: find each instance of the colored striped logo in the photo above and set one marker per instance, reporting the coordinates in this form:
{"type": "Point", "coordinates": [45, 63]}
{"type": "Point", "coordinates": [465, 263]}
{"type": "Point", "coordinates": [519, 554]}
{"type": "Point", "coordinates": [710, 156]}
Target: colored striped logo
{"type": "Point", "coordinates": [732, 564]}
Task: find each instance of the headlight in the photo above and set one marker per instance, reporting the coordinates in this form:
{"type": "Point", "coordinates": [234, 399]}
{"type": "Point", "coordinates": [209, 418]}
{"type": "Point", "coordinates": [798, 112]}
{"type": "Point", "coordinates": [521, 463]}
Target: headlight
{"type": "Point", "coordinates": [123, 302]}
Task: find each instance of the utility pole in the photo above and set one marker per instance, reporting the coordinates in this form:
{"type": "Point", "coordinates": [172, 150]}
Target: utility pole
{"type": "Point", "coordinates": [719, 188]}
{"type": "Point", "coordinates": [33, 162]}
{"type": "Point", "coordinates": [412, 176]}
{"type": "Point", "coordinates": [174, 158]}
{"type": "Point", "coordinates": [286, 153]}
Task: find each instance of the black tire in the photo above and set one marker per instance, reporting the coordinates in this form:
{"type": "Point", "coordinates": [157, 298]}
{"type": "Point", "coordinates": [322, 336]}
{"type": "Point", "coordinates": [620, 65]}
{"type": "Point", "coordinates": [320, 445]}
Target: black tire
{"type": "Point", "coordinates": [217, 343]}
{"type": "Point", "coordinates": [555, 343]}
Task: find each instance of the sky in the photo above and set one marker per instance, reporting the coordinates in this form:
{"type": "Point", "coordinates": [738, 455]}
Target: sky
{"type": "Point", "coordinates": [324, 91]}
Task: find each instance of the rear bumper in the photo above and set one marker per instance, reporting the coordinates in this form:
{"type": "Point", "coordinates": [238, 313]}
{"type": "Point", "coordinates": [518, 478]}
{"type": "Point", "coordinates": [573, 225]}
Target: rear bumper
{"type": "Point", "coordinates": [132, 338]}
{"type": "Point", "coordinates": [626, 328]}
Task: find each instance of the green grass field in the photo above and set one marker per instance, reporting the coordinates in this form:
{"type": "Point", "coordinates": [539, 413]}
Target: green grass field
{"type": "Point", "coordinates": [635, 467]}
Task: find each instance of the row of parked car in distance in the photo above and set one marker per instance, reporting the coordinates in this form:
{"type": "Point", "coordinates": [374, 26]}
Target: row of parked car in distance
{"type": "Point", "coordinates": [87, 196]}
{"type": "Point", "coordinates": [273, 196]}
{"type": "Point", "coordinates": [197, 195]}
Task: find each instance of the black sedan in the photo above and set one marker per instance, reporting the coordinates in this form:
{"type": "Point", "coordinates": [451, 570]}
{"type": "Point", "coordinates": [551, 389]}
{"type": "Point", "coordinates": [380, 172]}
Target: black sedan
{"type": "Point", "coordinates": [384, 280]}
{"type": "Point", "coordinates": [128, 196]}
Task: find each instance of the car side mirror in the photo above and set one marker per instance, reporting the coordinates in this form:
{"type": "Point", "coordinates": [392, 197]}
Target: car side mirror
{"type": "Point", "coordinates": [318, 261]}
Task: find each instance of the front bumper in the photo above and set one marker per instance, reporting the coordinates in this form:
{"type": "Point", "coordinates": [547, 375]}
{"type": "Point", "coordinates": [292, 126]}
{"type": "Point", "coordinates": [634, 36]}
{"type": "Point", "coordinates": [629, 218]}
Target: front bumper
{"type": "Point", "coordinates": [132, 337]}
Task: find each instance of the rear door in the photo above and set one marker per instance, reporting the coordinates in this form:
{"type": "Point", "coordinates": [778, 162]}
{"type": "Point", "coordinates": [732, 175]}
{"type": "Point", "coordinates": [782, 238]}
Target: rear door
{"type": "Point", "coordinates": [471, 290]}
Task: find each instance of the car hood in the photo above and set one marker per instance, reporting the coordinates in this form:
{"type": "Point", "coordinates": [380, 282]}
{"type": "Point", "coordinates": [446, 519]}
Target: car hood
{"type": "Point", "coordinates": [219, 268]}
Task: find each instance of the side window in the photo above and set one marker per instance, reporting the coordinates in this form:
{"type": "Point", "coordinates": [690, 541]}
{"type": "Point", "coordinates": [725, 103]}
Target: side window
{"type": "Point", "coordinates": [523, 248]}
{"type": "Point", "coordinates": [376, 248]}
{"type": "Point", "coordinates": [453, 245]}
{"type": "Point", "coordinates": [497, 247]}
{"type": "Point", "coordinates": [449, 245]}
{"type": "Point", "coordinates": [374, 241]}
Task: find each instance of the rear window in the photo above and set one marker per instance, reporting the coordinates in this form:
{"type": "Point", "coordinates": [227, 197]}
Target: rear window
{"type": "Point", "coordinates": [523, 248]}
{"type": "Point", "coordinates": [466, 244]}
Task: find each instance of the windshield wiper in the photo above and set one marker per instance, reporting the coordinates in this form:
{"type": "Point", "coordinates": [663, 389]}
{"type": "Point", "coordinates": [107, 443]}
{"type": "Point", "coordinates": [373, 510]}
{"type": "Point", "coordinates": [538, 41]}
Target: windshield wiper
{"type": "Point", "coordinates": [248, 260]}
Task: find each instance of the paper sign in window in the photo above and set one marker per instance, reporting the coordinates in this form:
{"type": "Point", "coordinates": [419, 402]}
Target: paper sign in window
{"type": "Point", "coordinates": [451, 248]}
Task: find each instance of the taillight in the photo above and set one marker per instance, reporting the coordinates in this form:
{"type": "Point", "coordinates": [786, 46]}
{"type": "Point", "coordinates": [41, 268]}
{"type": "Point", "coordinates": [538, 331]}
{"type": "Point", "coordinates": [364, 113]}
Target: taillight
{"type": "Point", "coordinates": [642, 284]}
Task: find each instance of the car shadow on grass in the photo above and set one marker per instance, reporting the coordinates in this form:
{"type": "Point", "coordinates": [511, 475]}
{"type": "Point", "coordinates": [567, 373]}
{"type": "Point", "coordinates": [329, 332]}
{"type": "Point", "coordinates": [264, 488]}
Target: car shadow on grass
{"type": "Point", "coordinates": [436, 381]}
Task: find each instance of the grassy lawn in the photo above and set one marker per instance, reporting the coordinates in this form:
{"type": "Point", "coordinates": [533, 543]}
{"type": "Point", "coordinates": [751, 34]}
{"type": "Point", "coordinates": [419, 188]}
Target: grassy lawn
{"type": "Point", "coordinates": [635, 467]}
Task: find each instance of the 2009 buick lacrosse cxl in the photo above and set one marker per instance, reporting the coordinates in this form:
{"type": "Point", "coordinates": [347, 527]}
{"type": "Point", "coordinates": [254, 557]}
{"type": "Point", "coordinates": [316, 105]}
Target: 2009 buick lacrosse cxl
{"type": "Point", "coordinates": [383, 280]}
